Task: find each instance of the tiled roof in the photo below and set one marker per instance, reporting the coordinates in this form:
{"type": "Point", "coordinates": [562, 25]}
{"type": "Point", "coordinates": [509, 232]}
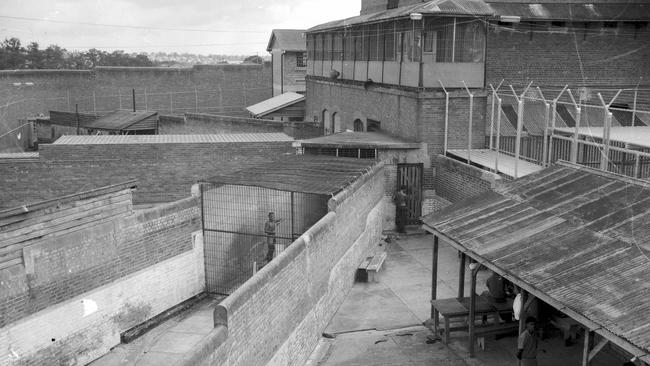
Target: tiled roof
{"type": "Point", "coordinates": [172, 139]}
{"type": "Point", "coordinates": [439, 7]}
{"type": "Point", "coordinates": [287, 40]}
{"type": "Point", "coordinates": [576, 237]}
{"type": "Point", "coordinates": [276, 103]}
{"type": "Point", "coordinates": [300, 173]}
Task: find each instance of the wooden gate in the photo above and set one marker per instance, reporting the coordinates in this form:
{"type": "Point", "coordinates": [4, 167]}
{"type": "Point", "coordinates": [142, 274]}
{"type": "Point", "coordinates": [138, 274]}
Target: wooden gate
{"type": "Point", "coordinates": [410, 175]}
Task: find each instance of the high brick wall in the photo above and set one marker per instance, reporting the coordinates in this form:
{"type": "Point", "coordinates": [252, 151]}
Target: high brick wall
{"type": "Point", "coordinates": [456, 181]}
{"type": "Point", "coordinates": [302, 288]}
{"type": "Point", "coordinates": [208, 88]}
{"type": "Point", "coordinates": [199, 123]}
{"type": "Point", "coordinates": [418, 116]}
{"type": "Point", "coordinates": [83, 281]}
{"type": "Point", "coordinates": [165, 172]}
{"type": "Point", "coordinates": [601, 59]}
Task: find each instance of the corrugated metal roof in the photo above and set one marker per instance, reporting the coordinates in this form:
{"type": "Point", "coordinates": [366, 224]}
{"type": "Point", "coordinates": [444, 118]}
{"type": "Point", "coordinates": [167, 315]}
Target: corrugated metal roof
{"type": "Point", "coordinates": [20, 155]}
{"type": "Point", "coordinates": [120, 120]}
{"type": "Point", "coordinates": [172, 139]}
{"type": "Point", "coordinates": [300, 173]}
{"type": "Point", "coordinates": [276, 103]}
{"type": "Point", "coordinates": [637, 136]}
{"type": "Point", "coordinates": [577, 235]}
{"type": "Point", "coordinates": [287, 40]}
{"type": "Point", "coordinates": [627, 10]}
{"type": "Point", "coordinates": [360, 140]}
{"type": "Point", "coordinates": [439, 7]}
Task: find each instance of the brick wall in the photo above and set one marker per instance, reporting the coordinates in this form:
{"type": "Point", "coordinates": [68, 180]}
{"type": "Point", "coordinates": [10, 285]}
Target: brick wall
{"type": "Point", "coordinates": [220, 88]}
{"type": "Point", "coordinates": [302, 288]}
{"type": "Point", "coordinates": [83, 281]}
{"type": "Point", "coordinates": [200, 123]}
{"type": "Point", "coordinates": [602, 59]}
{"type": "Point", "coordinates": [165, 172]}
{"type": "Point", "coordinates": [418, 116]}
{"type": "Point", "coordinates": [456, 181]}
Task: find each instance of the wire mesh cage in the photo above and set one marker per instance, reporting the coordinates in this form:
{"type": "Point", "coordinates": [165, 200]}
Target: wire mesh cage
{"type": "Point", "coordinates": [241, 235]}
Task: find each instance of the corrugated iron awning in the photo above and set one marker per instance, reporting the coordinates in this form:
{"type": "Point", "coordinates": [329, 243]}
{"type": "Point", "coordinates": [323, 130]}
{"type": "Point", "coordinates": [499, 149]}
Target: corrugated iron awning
{"type": "Point", "coordinates": [274, 104]}
{"type": "Point", "coordinates": [297, 173]}
{"type": "Point", "coordinates": [589, 11]}
{"type": "Point", "coordinates": [440, 7]}
{"type": "Point", "coordinates": [578, 236]}
{"type": "Point", "coordinates": [120, 120]}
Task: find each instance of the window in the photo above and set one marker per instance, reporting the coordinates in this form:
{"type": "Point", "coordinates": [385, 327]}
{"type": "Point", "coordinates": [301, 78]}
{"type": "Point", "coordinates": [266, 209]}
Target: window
{"type": "Point", "coordinates": [392, 4]}
{"type": "Point", "coordinates": [358, 125]}
{"type": "Point", "coordinates": [389, 41]}
{"type": "Point", "coordinates": [439, 37]}
{"type": "Point", "coordinates": [337, 46]}
{"type": "Point", "coordinates": [373, 125]}
{"type": "Point", "coordinates": [327, 46]}
{"type": "Point", "coordinates": [301, 59]}
{"type": "Point", "coordinates": [348, 45]}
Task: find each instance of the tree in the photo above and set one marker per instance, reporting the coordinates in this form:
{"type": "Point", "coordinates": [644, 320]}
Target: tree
{"type": "Point", "coordinates": [34, 57]}
{"type": "Point", "coordinates": [254, 60]}
{"type": "Point", "coordinates": [13, 54]}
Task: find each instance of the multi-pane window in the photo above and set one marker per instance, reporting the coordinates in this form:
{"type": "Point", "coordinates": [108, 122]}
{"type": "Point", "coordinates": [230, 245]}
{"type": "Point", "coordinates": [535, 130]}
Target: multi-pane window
{"type": "Point", "coordinates": [301, 59]}
{"type": "Point", "coordinates": [389, 41]}
{"type": "Point", "coordinates": [348, 45]}
{"type": "Point", "coordinates": [337, 46]}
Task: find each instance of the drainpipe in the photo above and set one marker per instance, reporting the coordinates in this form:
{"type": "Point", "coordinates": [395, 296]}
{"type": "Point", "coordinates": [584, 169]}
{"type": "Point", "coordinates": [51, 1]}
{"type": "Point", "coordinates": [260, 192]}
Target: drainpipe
{"type": "Point", "coordinates": [282, 72]}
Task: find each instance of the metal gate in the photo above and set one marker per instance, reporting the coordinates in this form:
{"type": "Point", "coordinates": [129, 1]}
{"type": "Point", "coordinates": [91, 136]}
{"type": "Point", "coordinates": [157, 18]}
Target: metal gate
{"type": "Point", "coordinates": [234, 217]}
{"type": "Point", "coordinates": [410, 175]}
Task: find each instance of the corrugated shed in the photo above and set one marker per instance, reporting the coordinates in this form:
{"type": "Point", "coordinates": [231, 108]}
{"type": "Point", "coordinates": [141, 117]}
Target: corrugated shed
{"type": "Point", "coordinates": [287, 40]}
{"type": "Point", "coordinates": [172, 139]}
{"type": "Point", "coordinates": [577, 235]}
{"type": "Point", "coordinates": [126, 121]}
{"type": "Point", "coordinates": [439, 7]}
{"type": "Point", "coordinates": [300, 173]}
{"type": "Point", "coordinates": [593, 11]}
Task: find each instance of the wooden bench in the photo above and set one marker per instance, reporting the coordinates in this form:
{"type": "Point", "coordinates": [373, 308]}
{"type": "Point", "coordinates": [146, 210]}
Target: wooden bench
{"type": "Point", "coordinates": [568, 326]}
{"type": "Point", "coordinates": [367, 270]}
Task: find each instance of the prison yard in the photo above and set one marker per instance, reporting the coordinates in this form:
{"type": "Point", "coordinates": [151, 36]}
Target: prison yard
{"type": "Point", "coordinates": [438, 182]}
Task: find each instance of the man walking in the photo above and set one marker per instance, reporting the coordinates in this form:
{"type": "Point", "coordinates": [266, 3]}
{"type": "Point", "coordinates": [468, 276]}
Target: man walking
{"type": "Point", "coordinates": [527, 344]}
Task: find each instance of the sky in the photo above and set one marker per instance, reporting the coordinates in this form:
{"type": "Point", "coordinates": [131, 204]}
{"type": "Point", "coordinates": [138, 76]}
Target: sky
{"type": "Point", "coordinates": [238, 27]}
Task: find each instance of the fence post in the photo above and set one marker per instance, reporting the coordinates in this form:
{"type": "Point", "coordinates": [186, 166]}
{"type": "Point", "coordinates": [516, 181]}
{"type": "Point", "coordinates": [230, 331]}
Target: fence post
{"type": "Point", "coordinates": [146, 107]}
{"type": "Point", "coordinates": [574, 144]}
{"type": "Point", "coordinates": [498, 147]}
{"type": "Point", "coordinates": [196, 100]}
{"type": "Point", "coordinates": [171, 103]}
{"type": "Point", "coordinates": [469, 132]}
{"type": "Point", "coordinates": [520, 125]}
{"type": "Point", "coordinates": [94, 103]}
{"type": "Point", "coordinates": [636, 91]}
{"type": "Point", "coordinates": [68, 100]}
{"type": "Point", "coordinates": [119, 95]}
{"type": "Point", "coordinates": [444, 152]}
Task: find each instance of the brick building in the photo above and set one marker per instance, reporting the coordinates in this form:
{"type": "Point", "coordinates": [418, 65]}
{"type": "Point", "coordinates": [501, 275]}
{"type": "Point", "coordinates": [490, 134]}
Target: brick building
{"type": "Point", "coordinates": [393, 67]}
{"type": "Point", "coordinates": [289, 59]}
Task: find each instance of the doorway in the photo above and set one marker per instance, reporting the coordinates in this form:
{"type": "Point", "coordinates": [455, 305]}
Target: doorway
{"type": "Point", "coordinates": [410, 175]}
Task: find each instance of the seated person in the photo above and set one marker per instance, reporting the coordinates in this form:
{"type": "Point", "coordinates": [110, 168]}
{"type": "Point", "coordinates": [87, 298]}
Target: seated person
{"type": "Point", "coordinates": [496, 288]}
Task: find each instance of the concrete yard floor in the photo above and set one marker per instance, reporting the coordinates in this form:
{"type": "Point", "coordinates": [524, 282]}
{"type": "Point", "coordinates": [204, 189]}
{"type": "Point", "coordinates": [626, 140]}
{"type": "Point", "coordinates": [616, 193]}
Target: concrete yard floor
{"type": "Point", "coordinates": [380, 323]}
{"type": "Point", "coordinates": [168, 341]}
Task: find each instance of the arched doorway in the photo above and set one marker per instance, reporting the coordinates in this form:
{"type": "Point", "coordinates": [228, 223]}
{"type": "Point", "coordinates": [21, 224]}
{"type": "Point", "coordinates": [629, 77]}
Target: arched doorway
{"type": "Point", "coordinates": [358, 125]}
{"type": "Point", "coordinates": [326, 122]}
{"type": "Point", "coordinates": [336, 122]}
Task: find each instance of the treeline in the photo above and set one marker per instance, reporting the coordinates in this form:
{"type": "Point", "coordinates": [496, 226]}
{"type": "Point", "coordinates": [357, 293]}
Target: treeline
{"type": "Point", "coordinates": [14, 56]}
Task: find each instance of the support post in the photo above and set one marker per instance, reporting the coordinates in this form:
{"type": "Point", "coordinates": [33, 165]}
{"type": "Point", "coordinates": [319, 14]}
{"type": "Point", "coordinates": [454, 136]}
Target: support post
{"type": "Point", "coordinates": [146, 107]}
{"type": "Point", "coordinates": [119, 96]}
{"type": "Point", "coordinates": [547, 109]}
{"type": "Point", "coordinates": [461, 276]}
{"type": "Point", "coordinates": [522, 313]}
{"type": "Point", "coordinates": [586, 348]}
{"type": "Point", "coordinates": [494, 95]}
{"type": "Point", "coordinates": [453, 42]}
{"type": "Point", "coordinates": [550, 140]}
{"type": "Point", "coordinates": [472, 311]}
{"type": "Point", "coordinates": [68, 100]}
{"type": "Point", "coordinates": [574, 144]}
{"type": "Point", "coordinates": [94, 103]}
{"type": "Point", "coordinates": [469, 132]}
{"type": "Point", "coordinates": [293, 229]}
{"type": "Point", "coordinates": [636, 92]}
{"type": "Point", "coordinates": [171, 103]}
{"type": "Point", "coordinates": [434, 281]}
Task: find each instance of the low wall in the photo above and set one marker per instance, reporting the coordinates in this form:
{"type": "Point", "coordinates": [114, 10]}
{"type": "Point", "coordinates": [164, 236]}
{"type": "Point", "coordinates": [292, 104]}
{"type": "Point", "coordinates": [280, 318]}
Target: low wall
{"type": "Point", "coordinates": [285, 307]}
{"type": "Point", "coordinates": [456, 181]}
{"type": "Point", "coordinates": [82, 280]}
{"type": "Point", "coordinates": [211, 123]}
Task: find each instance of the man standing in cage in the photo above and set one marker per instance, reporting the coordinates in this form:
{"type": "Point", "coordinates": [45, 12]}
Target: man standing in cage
{"type": "Point", "coordinates": [269, 230]}
{"type": "Point", "coordinates": [400, 209]}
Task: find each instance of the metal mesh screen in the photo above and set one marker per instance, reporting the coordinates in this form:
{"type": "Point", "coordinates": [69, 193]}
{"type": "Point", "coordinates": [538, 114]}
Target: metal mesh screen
{"type": "Point", "coordinates": [234, 218]}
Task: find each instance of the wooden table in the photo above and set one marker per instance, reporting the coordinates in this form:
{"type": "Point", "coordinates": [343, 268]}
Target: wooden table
{"type": "Point", "coordinates": [459, 308]}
